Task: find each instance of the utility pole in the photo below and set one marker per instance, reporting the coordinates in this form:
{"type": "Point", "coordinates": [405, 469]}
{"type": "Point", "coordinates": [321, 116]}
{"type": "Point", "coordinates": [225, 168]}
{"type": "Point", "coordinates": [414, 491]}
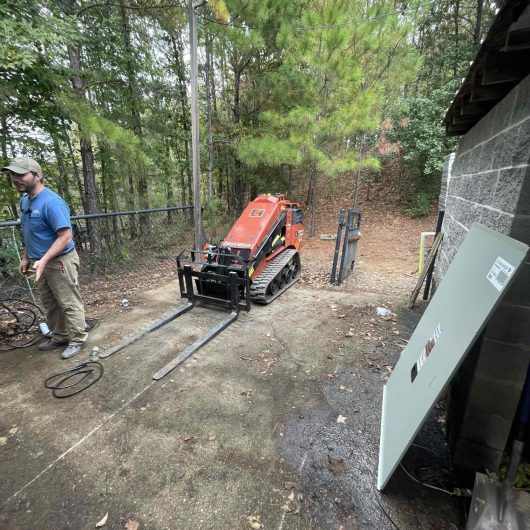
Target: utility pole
{"type": "Point", "coordinates": [195, 152]}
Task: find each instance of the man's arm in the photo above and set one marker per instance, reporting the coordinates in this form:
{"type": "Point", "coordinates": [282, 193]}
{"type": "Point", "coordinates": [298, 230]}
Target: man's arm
{"type": "Point", "coordinates": [64, 237]}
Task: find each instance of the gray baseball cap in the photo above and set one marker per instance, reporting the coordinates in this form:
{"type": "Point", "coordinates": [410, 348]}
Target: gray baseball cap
{"type": "Point", "coordinates": [22, 165]}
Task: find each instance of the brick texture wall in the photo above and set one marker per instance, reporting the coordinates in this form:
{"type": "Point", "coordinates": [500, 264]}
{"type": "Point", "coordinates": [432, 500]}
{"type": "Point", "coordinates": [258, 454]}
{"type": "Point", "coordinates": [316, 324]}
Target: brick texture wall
{"type": "Point", "coordinates": [490, 184]}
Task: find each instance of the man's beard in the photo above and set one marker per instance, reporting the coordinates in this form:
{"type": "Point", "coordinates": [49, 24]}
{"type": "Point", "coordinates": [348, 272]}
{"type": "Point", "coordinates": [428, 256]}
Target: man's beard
{"type": "Point", "coordinates": [29, 188]}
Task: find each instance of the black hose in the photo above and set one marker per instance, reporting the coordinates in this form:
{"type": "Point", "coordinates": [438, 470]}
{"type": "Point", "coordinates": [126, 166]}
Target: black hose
{"type": "Point", "coordinates": [86, 370]}
{"type": "Point", "coordinates": [16, 307]}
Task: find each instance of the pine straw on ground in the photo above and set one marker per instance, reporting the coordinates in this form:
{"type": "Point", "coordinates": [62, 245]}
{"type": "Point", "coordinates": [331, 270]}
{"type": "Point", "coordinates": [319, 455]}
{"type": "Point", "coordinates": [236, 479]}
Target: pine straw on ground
{"type": "Point", "coordinates": [388, 251]}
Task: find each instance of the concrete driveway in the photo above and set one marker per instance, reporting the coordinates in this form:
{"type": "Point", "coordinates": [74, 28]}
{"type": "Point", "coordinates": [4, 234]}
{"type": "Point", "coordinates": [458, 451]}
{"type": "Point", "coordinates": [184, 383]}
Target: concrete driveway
{"type": "Point", "coordinates": [247, 434]}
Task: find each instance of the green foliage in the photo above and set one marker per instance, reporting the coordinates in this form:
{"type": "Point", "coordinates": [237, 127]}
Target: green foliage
{"type": "Point", "coordinates": [29, 34]}
{"type": "Point", "coordinates": [418, 129]}
{"type": "Point", "coordinates": [269, 150]}
{"type": "Point", "coordinates": [522, 478]}
{"type": "Point", "coordinates": [296, 87]}
{"type": "Point", "coordinates": [8, 195]}
{"type": "Point", "coordinates": [420, 205]}
{"type": "Point", "coordinates": [329, 94]}
{"type": "Point", "coordinates": [216, 220]}
{"type": "Point", "coordinates": [447, 38]}
{"type": "Point", "coordinates": [32, 38]}
{"type": "Point", "coordinates": [9, 254]}
{"type": "Point", "coordinates": [126, 145]}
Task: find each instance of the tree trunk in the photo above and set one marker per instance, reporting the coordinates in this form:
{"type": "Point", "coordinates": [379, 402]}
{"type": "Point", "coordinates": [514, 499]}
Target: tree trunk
{"type": "Point", "coordinates": [63, 184]}
{"type": "Point", "coordinates": [457, 17]}
{"type": "Point", "coordinates": [208, 74]}
{"type": "Point", "coordinates": [358, 178]}
{"type": "Point", "coordinates": [87, 158]}
{"type": "Point", "coordinates": [239, 185]}
{"type": "Point", "coordinates": [136, 123]}
{"type": "Point", "coordinates": [75, 169]}
{"type": "Point", "coordinates": [3, 139]}
{"type": "Point", "coordinates": [170, 196]}
{"type": "Point", "coordinates": [104, 204]}
{"type": "Point", "coordinates": [311, 194]}
{"type": "Point", "coordinates": [478, 23]}
{"type": "Point", "coordinates": [111, 199]}
{"type": "Point", "coordinates": [183, 187]}
{"type": "Point", "coordinates": [3, 142]}
{"type": "Point", "coordinates": [220, 184]}
{"type": "Point", "coordinates": [184, 118]}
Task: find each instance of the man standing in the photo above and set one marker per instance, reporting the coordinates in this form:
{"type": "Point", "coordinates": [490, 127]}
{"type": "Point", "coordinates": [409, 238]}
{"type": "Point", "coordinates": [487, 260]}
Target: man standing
{"type": "Point", "coordinates": [45, 219]}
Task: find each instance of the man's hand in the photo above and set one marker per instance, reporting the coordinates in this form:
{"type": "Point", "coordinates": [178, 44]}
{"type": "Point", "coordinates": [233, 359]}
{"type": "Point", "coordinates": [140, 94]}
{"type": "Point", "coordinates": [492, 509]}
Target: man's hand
{"type": "Point", "coordinates": [23, 266]}
{"type": "Point", "coordinates": [38, 268]}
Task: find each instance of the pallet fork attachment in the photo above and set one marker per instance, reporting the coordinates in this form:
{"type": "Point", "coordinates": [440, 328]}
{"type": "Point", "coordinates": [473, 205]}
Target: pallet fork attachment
{"type": "Point", "coordinates": [235, 286]}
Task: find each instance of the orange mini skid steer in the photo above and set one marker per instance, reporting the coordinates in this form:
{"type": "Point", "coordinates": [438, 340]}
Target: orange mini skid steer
{"type": "Point", "coordinates": [258, 260]}
{"type": "Point", "coordinates": [262, 247]}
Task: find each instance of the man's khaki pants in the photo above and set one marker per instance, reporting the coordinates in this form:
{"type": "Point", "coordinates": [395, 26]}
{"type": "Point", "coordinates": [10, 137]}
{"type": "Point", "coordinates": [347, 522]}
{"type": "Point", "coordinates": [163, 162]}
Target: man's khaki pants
{"type": "Point", "coordinates": [60, 295]}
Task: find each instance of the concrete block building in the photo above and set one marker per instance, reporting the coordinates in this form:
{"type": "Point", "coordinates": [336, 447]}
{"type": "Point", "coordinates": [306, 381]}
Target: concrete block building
{"type": "Point", "coordinates": [488, 182]}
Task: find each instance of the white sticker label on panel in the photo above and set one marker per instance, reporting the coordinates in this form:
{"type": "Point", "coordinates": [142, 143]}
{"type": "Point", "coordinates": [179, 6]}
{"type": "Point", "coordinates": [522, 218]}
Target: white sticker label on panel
{"type": "Point", "coordinates": [499, 273]}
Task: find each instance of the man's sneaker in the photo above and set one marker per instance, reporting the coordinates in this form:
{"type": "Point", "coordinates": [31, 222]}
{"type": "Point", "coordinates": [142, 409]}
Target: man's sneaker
{"type": "Point", "coordinates": [91, 324]}
{"type": "Point", "coordinates": [50, 344]}
{"type": "Point", "coordinates": [71, 351]}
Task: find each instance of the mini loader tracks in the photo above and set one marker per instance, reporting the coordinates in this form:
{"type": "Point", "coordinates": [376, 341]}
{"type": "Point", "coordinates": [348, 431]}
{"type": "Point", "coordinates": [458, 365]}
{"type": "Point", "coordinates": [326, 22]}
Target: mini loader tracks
{"type": "Point", "coordinates": [281, 273]}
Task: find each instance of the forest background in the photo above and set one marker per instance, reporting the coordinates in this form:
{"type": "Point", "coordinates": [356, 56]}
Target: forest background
{"type": "Point", "coordinates": [292, 94]}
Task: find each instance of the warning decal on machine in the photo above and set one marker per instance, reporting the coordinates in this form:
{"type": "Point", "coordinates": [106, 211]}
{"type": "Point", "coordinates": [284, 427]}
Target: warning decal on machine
{"type": "Point", "coordinates": [256, 212]}
{"type": "Point", "coordinates": [499, 273]}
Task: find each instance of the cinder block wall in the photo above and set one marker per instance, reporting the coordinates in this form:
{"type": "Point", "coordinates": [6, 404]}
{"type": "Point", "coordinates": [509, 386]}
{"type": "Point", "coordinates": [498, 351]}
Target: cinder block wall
{"type": "Point", "coordinates": [490, 184]}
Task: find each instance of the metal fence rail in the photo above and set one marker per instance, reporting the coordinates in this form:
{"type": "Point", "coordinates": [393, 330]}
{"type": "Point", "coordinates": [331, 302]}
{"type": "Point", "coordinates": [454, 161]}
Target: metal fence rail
{"type": "Point", "coordinates": [134, 250]}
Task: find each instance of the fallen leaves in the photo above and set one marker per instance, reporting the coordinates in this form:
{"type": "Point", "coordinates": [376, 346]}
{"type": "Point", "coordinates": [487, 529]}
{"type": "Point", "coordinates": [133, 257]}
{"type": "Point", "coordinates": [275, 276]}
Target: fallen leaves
{"type": "Point", "coordinates": [254, 522]}
{"type": "Point", "coordinates": [131, 524]}
{"type": "Point", "coordinates": [336, 465]}
{"type": "Point", "coordinates": [292, 505]}
{"type": "Point", "coordinates": [103, 521]}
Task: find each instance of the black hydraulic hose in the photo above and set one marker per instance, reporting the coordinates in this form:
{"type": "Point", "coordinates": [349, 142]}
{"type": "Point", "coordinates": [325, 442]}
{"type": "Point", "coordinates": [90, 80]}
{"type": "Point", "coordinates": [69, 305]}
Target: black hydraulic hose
{"type": "Point", "coordinates": [86, 370]}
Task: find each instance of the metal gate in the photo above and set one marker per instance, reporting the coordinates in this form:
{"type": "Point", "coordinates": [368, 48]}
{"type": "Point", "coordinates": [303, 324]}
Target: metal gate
{"type": "Point", "coordinates": [348, 234]}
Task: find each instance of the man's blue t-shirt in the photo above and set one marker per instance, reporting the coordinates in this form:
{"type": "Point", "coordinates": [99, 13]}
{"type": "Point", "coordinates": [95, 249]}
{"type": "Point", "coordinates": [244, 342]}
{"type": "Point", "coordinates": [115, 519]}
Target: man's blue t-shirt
{"type": "Point", "coordinates": [41, 217]}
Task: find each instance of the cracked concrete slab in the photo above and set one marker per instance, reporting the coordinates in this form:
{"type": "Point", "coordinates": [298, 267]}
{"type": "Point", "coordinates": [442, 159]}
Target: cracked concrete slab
{"type": "Point", "coordinates": [246, 428]}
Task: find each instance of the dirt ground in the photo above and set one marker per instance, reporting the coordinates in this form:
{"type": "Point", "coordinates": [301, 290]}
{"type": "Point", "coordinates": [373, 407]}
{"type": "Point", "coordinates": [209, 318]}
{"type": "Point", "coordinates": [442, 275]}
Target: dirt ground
{"type": "Point", "coordinates": [274, 424]}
